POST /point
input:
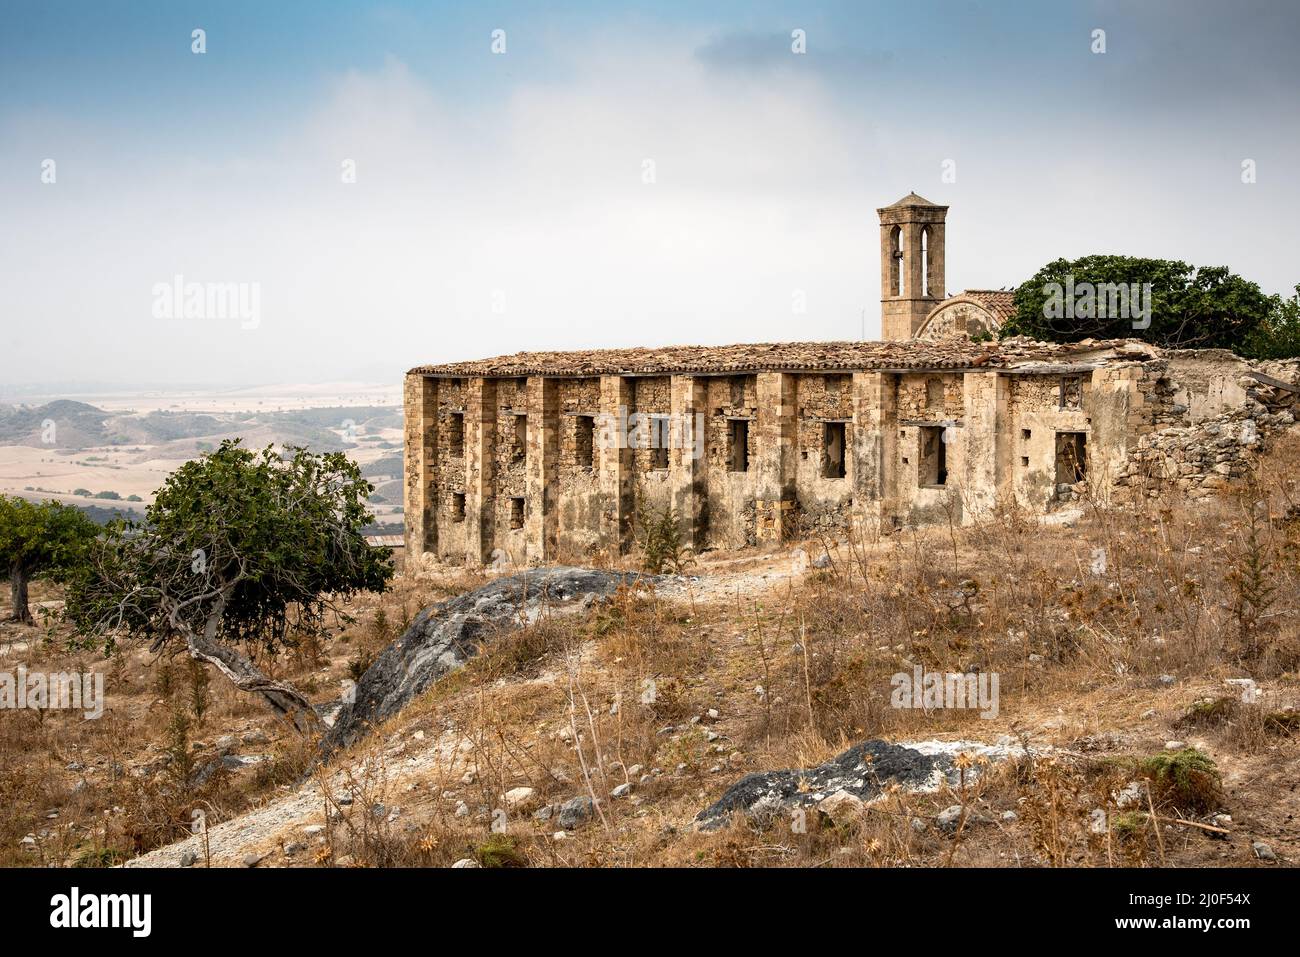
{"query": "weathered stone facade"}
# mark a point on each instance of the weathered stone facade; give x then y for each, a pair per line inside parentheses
(537, 457)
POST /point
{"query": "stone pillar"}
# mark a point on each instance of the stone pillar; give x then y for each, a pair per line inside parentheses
(774, 497)
(687, 461)
(875, 444)
(480, 441)
(420, 402)
(614, 464)
(542, 519)
(985, 445)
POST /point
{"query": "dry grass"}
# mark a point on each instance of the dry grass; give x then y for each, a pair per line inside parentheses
(1110, 638)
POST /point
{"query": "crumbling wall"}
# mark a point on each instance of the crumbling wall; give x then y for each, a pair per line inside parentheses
(449, 471)
(509, 476)
(650, 402)
(930, 422)
(729, 512)
(824, 493)
(578, 525)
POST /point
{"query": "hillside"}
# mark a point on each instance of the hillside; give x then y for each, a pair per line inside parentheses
(596, 735)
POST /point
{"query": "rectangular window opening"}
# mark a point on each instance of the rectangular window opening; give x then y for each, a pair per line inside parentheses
(659, 442)
(458, 506)
(934, 456)
(516, 513)
(738, 453)
(833, 454)
(1071, 457)
(584, 448)
(519, 444)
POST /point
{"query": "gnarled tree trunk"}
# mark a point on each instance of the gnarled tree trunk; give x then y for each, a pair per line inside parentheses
(283, 698)
(18, 592)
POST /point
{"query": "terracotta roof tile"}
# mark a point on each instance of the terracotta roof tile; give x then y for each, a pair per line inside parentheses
(777, 356)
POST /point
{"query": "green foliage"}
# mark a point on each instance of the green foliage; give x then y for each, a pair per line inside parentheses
(658, 532)
(199, 697)
(1191, 307)
(41, 538)
(250, 545)
(1188, 779)
(1278, 336)
(46, 539)
(499, 850)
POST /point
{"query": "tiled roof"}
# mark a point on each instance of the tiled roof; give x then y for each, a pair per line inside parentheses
(1000, 302)
(791, 356)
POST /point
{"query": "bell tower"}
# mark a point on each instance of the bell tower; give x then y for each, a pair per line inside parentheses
(911, 264)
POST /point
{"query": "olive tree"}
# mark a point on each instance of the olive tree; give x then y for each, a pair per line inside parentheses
(38, 539)
(239, 551)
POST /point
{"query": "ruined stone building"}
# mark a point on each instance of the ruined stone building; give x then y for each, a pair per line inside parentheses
(544, 456)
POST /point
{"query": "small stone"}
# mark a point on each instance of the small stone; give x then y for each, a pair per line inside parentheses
(466, 862)
(311, 830)
(919, 826)
(841, 807)
(1131, 794)
(294, 847)
(518, 797)
(1097, 820)
(544, 812)
(948, 818)
(1010, 817)
(1175, 745)
(189, 857)
(575, 811)
(711, 736)
(344, 800)
(1167, 679)
(226, 743)
(256, 736)
(623, 790)
(252, 860)
(1263, 851)
(713, 713)
(560, 836)
(462, 809)
(634, 770)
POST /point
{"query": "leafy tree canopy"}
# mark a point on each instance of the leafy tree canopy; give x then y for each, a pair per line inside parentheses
(39, 539)
(238, 547)
(1163, 301)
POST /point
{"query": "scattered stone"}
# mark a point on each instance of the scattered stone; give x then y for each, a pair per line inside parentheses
(226, 743)
(311, 830)
(1263, 851)
(1133, 793)
(841, 807)
(189, 857)
(634, 770)
(1010, 817)
(623, 790)
(1097, 820)
(294, 847)
(256, 736)
(1175, 745)
(575, 812)
(544, 812)
(519, 797)
(252, 860)
(462, 809)
(559, 836)
(466, 862)
(948, 819)
(919, 826)
(1167, 679)
(822, 561)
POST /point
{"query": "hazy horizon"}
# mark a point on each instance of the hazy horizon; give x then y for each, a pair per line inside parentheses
(501, 200)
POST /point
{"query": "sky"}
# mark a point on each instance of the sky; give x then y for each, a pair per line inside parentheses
(391, 184)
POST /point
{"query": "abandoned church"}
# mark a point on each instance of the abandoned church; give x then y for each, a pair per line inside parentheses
(546, 456)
